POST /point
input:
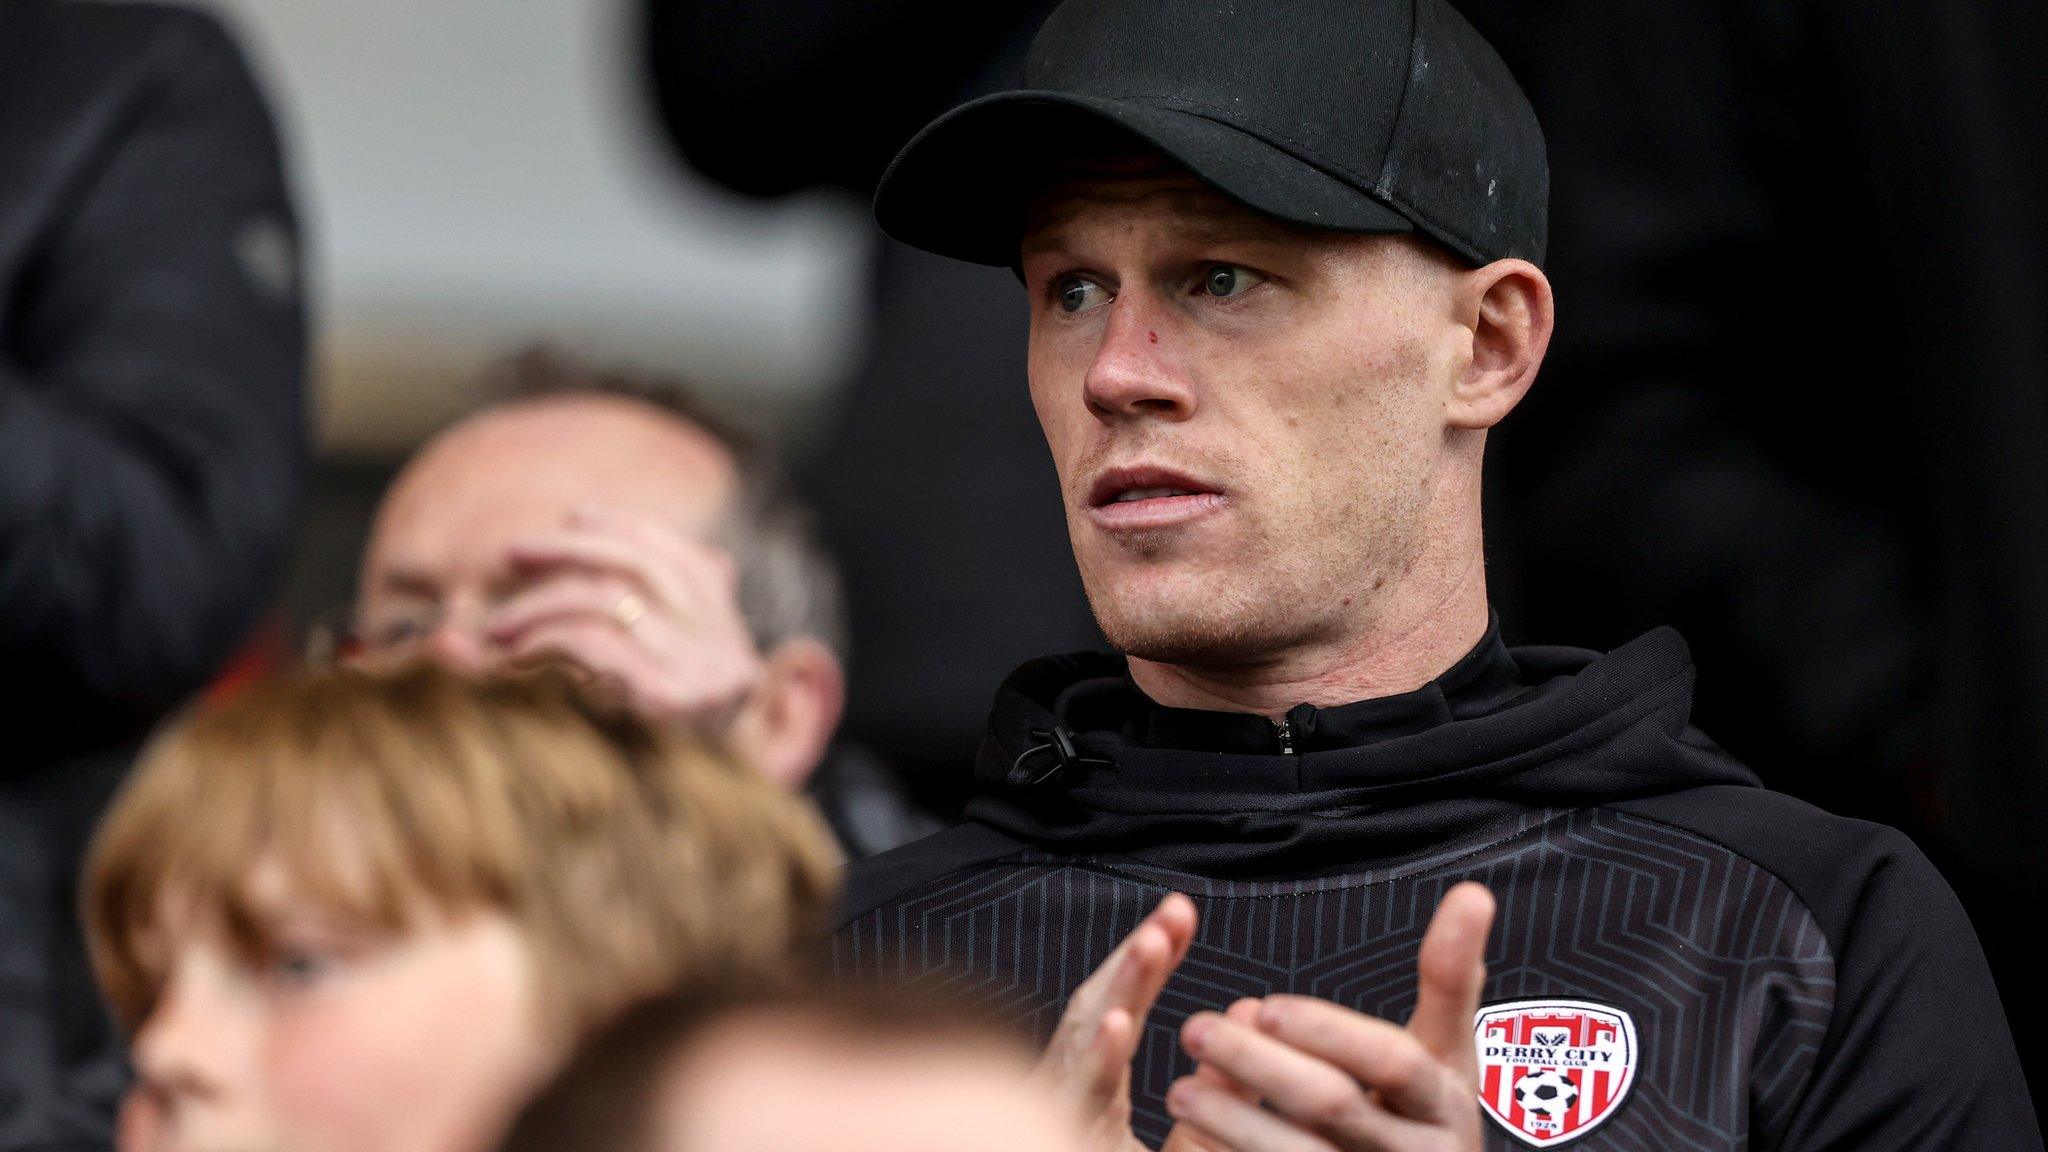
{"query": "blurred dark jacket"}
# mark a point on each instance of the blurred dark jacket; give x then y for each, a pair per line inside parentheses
(864, 803)
(1798, 399)
(933, 487)
(152, 344)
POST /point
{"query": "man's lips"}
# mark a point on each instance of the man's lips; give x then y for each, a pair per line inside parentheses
(1145, 497)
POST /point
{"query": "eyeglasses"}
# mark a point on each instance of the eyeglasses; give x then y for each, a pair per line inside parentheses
(341, 635)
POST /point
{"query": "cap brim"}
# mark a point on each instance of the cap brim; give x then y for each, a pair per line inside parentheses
(960, 187)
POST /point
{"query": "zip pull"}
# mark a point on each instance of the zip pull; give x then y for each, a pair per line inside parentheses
(1284, 728)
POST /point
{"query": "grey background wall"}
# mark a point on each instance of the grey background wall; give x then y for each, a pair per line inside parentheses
(477, 174)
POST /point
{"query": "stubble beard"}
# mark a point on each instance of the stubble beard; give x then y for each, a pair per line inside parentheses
(1164, 635)
(1265, 599)
(1231, 616)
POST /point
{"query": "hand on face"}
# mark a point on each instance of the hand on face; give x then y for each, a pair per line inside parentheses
(1334, 1080)
(645, 610)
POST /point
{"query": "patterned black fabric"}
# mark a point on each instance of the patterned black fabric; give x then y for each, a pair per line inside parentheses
(1726, 973)
(1792, 980)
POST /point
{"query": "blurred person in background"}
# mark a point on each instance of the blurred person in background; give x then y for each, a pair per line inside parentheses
(347, 911)
(1799, 407)
(1284, 280)
(152, 345)
(738, 1069)
(926, 479)
(606, 520)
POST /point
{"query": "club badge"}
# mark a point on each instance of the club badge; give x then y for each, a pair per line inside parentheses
(1551, 1071)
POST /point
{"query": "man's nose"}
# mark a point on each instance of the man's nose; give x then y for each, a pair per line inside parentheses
(1138, 367)
(459, 644)
(459, 639)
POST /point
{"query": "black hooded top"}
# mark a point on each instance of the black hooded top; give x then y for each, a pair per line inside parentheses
(1681, 959)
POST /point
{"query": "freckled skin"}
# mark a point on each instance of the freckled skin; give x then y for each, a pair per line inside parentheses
(1313, 399)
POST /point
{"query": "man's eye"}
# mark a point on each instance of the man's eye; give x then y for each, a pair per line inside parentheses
(1227, 280)
(1078, 295)
(397, 632)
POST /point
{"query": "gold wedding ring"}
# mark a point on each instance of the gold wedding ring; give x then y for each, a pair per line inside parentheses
(629, 610)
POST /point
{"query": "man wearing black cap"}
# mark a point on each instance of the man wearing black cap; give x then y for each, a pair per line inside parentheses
(1283, 269)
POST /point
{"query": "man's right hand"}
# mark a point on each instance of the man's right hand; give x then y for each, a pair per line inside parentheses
(1088, 1062)
(645, 610)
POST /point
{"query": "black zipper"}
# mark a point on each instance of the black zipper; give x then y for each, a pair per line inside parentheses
(1285, 729)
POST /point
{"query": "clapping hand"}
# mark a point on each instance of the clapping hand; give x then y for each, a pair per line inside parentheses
(1285, 1073)
(1335, 1080)
(1088, 1062)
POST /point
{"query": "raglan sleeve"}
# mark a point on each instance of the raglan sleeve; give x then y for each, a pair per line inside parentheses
(1917, 1054)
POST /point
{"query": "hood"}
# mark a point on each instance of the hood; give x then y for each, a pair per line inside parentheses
(1077, 760)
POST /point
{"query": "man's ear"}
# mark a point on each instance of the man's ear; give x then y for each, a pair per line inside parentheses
(1508, 309)
(795, 711)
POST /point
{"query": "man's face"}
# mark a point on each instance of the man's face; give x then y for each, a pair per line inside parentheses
(734, 1094)
(1246, 416)
(441, 554)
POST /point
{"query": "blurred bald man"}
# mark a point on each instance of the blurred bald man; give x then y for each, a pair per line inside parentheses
(844, 1069)
(609, 521)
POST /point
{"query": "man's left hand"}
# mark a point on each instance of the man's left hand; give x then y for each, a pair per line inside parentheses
(1335, 1080)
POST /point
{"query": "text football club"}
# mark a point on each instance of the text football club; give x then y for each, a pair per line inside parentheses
(1551, 1071)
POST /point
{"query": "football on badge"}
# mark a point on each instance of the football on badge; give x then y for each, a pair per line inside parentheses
(1550, 1071)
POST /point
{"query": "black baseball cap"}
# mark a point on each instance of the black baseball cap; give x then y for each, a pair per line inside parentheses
(1387, 116)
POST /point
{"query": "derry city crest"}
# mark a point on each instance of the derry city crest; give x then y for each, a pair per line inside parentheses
(1551, 1071)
